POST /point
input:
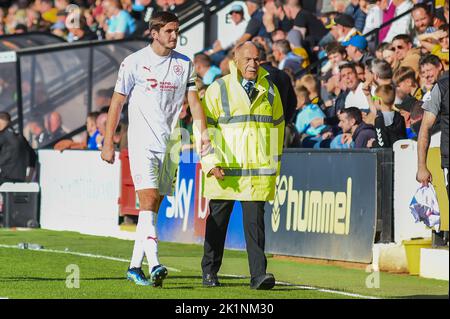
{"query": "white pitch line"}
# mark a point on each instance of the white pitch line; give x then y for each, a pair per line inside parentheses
(81, 254)
(337, 292)
(348, 294)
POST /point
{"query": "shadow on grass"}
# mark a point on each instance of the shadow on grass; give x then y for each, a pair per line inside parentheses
(200, 277)
(10, 279)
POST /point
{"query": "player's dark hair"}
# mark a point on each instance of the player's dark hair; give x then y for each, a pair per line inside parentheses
(160, 19)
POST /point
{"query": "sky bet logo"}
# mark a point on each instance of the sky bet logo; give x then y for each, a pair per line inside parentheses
(311, 211)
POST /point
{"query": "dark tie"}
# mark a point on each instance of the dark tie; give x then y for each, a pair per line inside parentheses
(249, 88)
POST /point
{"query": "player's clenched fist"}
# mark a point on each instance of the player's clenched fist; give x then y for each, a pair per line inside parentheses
(108, 154)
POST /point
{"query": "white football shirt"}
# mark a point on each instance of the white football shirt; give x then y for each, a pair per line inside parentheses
(156, 86)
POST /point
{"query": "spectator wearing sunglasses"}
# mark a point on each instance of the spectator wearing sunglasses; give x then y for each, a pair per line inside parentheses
(405, 53)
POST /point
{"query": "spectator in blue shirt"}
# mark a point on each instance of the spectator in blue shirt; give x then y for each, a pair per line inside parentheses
(120, 23)
(93, 132)
(204, 69)
(308, 112)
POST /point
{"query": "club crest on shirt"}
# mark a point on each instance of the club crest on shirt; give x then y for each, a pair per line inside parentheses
(178, 69)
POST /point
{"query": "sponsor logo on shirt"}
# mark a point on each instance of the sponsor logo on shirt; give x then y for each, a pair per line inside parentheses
(168, 86)
(153, 83)
(164, 86)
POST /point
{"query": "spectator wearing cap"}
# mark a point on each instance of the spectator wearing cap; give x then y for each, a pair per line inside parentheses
(204, 69)
(405, 81)
(344, 26)
(405, 24)
(237, 29)
(255, 26)
(356, 49)
(120, 24)
(354, 9)
(405, 53)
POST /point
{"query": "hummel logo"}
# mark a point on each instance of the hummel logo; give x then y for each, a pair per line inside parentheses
(379, 137)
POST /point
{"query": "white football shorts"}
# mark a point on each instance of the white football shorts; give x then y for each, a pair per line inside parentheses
(151, 169)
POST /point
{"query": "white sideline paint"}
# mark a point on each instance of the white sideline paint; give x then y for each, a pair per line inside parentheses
(82, 255)
(337, 292)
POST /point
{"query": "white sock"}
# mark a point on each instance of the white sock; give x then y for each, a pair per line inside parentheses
(146, 240)
(150, 241)
(138, 250)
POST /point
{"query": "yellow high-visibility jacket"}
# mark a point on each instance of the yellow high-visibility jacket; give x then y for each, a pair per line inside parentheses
(247, 138)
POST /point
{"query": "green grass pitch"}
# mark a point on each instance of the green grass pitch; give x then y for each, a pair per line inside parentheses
(41, 274)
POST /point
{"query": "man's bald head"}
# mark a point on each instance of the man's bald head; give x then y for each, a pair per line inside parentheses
(246, 57)
(54, 122)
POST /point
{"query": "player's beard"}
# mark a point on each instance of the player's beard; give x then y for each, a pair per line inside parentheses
(171, 45)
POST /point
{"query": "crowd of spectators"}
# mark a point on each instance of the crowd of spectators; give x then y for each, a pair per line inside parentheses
(368, 83)
(365, 90)
(76, 20)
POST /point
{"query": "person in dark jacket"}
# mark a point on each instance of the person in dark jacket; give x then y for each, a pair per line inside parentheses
(352, 124)
(389, 125)
(16, 155)
(288, 98)
(283, 82)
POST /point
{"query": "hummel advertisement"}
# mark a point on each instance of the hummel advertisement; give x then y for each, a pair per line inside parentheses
(324, 208)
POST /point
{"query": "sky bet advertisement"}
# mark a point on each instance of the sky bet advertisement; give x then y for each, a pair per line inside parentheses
(324, 207)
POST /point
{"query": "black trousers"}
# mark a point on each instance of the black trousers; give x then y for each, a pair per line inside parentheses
(216, 230)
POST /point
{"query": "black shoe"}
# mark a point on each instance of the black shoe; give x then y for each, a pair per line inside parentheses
(263, 282)
(210, 280)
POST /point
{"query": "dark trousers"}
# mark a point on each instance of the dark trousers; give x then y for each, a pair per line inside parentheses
(216, 230)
